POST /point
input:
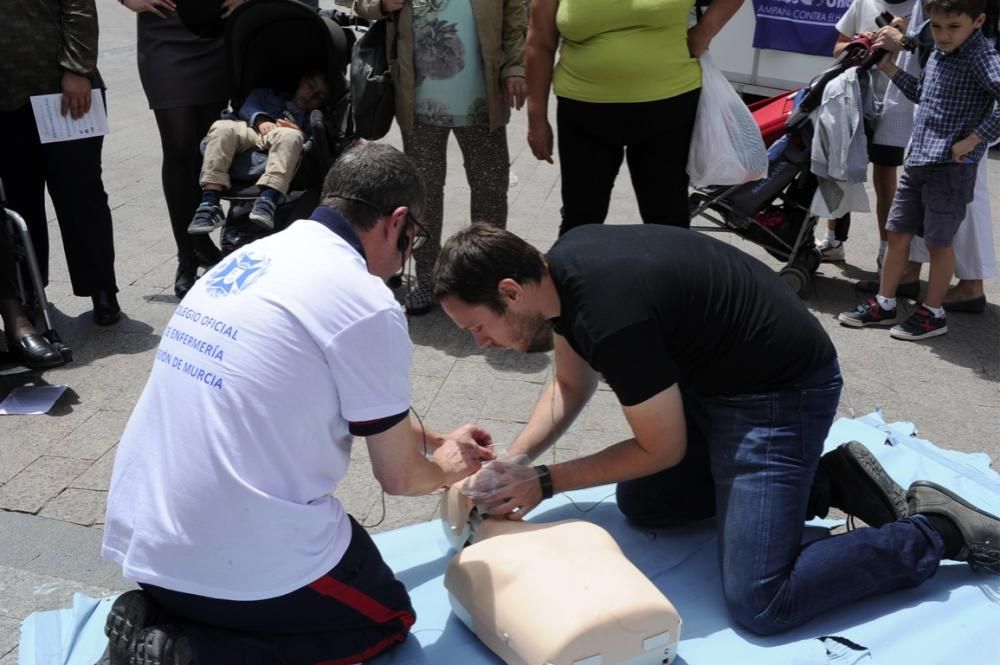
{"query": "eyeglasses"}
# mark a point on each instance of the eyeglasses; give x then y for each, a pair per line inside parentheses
(419, 235)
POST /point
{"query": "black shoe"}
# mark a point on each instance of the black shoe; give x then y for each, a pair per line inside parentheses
(980, 530)
(187, 273)
(131, 612)
(35, 351)
(975, 305)
(859, 485)
(106, 309)
(161, 645)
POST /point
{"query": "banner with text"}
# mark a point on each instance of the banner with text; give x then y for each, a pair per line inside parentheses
(802, 26)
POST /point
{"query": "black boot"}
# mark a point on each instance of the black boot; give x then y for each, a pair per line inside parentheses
(187, 273)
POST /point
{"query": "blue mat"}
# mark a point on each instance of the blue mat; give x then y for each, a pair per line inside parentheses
(953, 618)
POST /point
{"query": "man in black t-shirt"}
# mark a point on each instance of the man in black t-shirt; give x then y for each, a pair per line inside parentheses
(729, 386)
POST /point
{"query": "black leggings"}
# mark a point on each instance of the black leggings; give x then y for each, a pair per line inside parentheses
(653, 137)
(181, 132)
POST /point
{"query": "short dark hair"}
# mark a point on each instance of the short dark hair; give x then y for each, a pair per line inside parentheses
(475, 259)
(375, 173)
(971, 8)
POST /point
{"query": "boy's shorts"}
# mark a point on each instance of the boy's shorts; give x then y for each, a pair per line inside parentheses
(931, 200)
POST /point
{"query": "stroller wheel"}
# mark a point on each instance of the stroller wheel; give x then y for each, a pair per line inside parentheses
(797, 278)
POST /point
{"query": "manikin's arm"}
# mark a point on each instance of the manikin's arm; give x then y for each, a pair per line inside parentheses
(400, 466)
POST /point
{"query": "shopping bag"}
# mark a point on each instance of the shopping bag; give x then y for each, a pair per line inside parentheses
(726, 145)
(373, 93)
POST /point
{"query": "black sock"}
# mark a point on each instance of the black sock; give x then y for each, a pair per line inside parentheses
(269, 193)
(952, 537)
(212, 197)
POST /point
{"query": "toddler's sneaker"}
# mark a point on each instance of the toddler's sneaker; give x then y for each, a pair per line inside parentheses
(869, 314)
(207, 218)
(921, 325)
(830, 252)
(263, 212)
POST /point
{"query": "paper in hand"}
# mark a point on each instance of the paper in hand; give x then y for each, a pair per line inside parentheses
(54, 127)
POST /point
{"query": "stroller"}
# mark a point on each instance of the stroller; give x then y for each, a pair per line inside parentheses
(30, 286)
(270, 44)
(774, 212)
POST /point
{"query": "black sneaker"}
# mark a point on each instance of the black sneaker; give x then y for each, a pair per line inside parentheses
(980, 530)
(860, 486)
(263, 212)
(869, 314)
(921, 325)
(161, 645)
(207, 218)
(131, 612)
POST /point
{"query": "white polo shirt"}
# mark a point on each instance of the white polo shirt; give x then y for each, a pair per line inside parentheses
(223, 479)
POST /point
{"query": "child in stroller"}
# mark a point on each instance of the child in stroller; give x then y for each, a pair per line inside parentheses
(279, 45)
(271, 121)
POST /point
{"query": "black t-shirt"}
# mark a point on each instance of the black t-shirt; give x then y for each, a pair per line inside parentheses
(649, 306)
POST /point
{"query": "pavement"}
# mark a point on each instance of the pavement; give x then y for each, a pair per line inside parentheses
(55, 468)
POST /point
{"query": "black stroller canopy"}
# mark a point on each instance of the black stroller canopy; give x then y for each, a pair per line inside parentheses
(272, 43)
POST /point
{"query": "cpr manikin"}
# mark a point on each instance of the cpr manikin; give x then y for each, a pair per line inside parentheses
(560, 593)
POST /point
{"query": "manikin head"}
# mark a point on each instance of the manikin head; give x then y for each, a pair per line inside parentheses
(489, 282)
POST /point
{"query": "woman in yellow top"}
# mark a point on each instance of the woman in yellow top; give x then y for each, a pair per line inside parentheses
(627, 83)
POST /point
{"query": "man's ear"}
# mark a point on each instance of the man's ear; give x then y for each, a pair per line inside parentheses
(979, 22)
(509, 289)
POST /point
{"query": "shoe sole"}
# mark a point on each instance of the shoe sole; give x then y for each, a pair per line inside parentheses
(902, 334)
(129, 614)
(864, 464)
(201, 230)
(854, 323)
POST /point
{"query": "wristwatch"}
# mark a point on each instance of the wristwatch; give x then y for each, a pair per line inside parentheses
(545, 480)
(907, 44)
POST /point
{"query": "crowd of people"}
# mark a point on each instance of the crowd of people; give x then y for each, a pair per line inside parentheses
(229, 526)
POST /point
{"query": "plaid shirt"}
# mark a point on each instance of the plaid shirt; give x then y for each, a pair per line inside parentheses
(42, 39)
(956, 95)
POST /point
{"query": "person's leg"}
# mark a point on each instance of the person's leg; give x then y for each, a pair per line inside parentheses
(181, 131)
(590, 154)
(658, 139)
(427, 146)
(674, 496)
(226, 138)
(73, 176)
(284, 151)
(831, 247)
(349, 615)
(905, 219)
(941, 271)
(22, 171)
(765, 450)
(975, 253)
(884, 181)
(487, 168)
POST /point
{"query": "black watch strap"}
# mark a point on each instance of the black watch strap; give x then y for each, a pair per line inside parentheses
(545, 480)
(907, 43)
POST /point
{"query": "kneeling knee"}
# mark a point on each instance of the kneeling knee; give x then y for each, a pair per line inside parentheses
(756, 617)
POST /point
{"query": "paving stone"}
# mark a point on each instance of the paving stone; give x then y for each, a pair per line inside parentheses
(43, 479)
(25, 592)
(98, 475)
(77, 506)
(95, 437)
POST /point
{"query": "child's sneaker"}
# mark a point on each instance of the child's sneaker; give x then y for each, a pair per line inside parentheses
(921, 325)
(207, 218)
(263, 212)
(830, 252)
(869, 314)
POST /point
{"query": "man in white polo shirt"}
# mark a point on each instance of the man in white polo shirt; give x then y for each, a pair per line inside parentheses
(221, 503)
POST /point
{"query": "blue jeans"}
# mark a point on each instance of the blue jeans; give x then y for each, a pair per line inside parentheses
(756, 457)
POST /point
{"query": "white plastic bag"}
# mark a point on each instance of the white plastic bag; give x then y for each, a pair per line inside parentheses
(726, 145)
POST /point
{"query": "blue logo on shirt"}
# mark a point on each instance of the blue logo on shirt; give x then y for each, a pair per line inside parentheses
(237, 274)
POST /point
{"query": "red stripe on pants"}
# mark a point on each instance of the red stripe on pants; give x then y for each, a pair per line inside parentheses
(360, 601)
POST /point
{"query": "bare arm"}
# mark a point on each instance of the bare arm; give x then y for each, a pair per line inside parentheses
(540, 57)
(401, 468)
(712, 22)
(842, 42)
(560, 403)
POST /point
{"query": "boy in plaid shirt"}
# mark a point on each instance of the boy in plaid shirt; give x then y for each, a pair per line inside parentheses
(957, 118)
